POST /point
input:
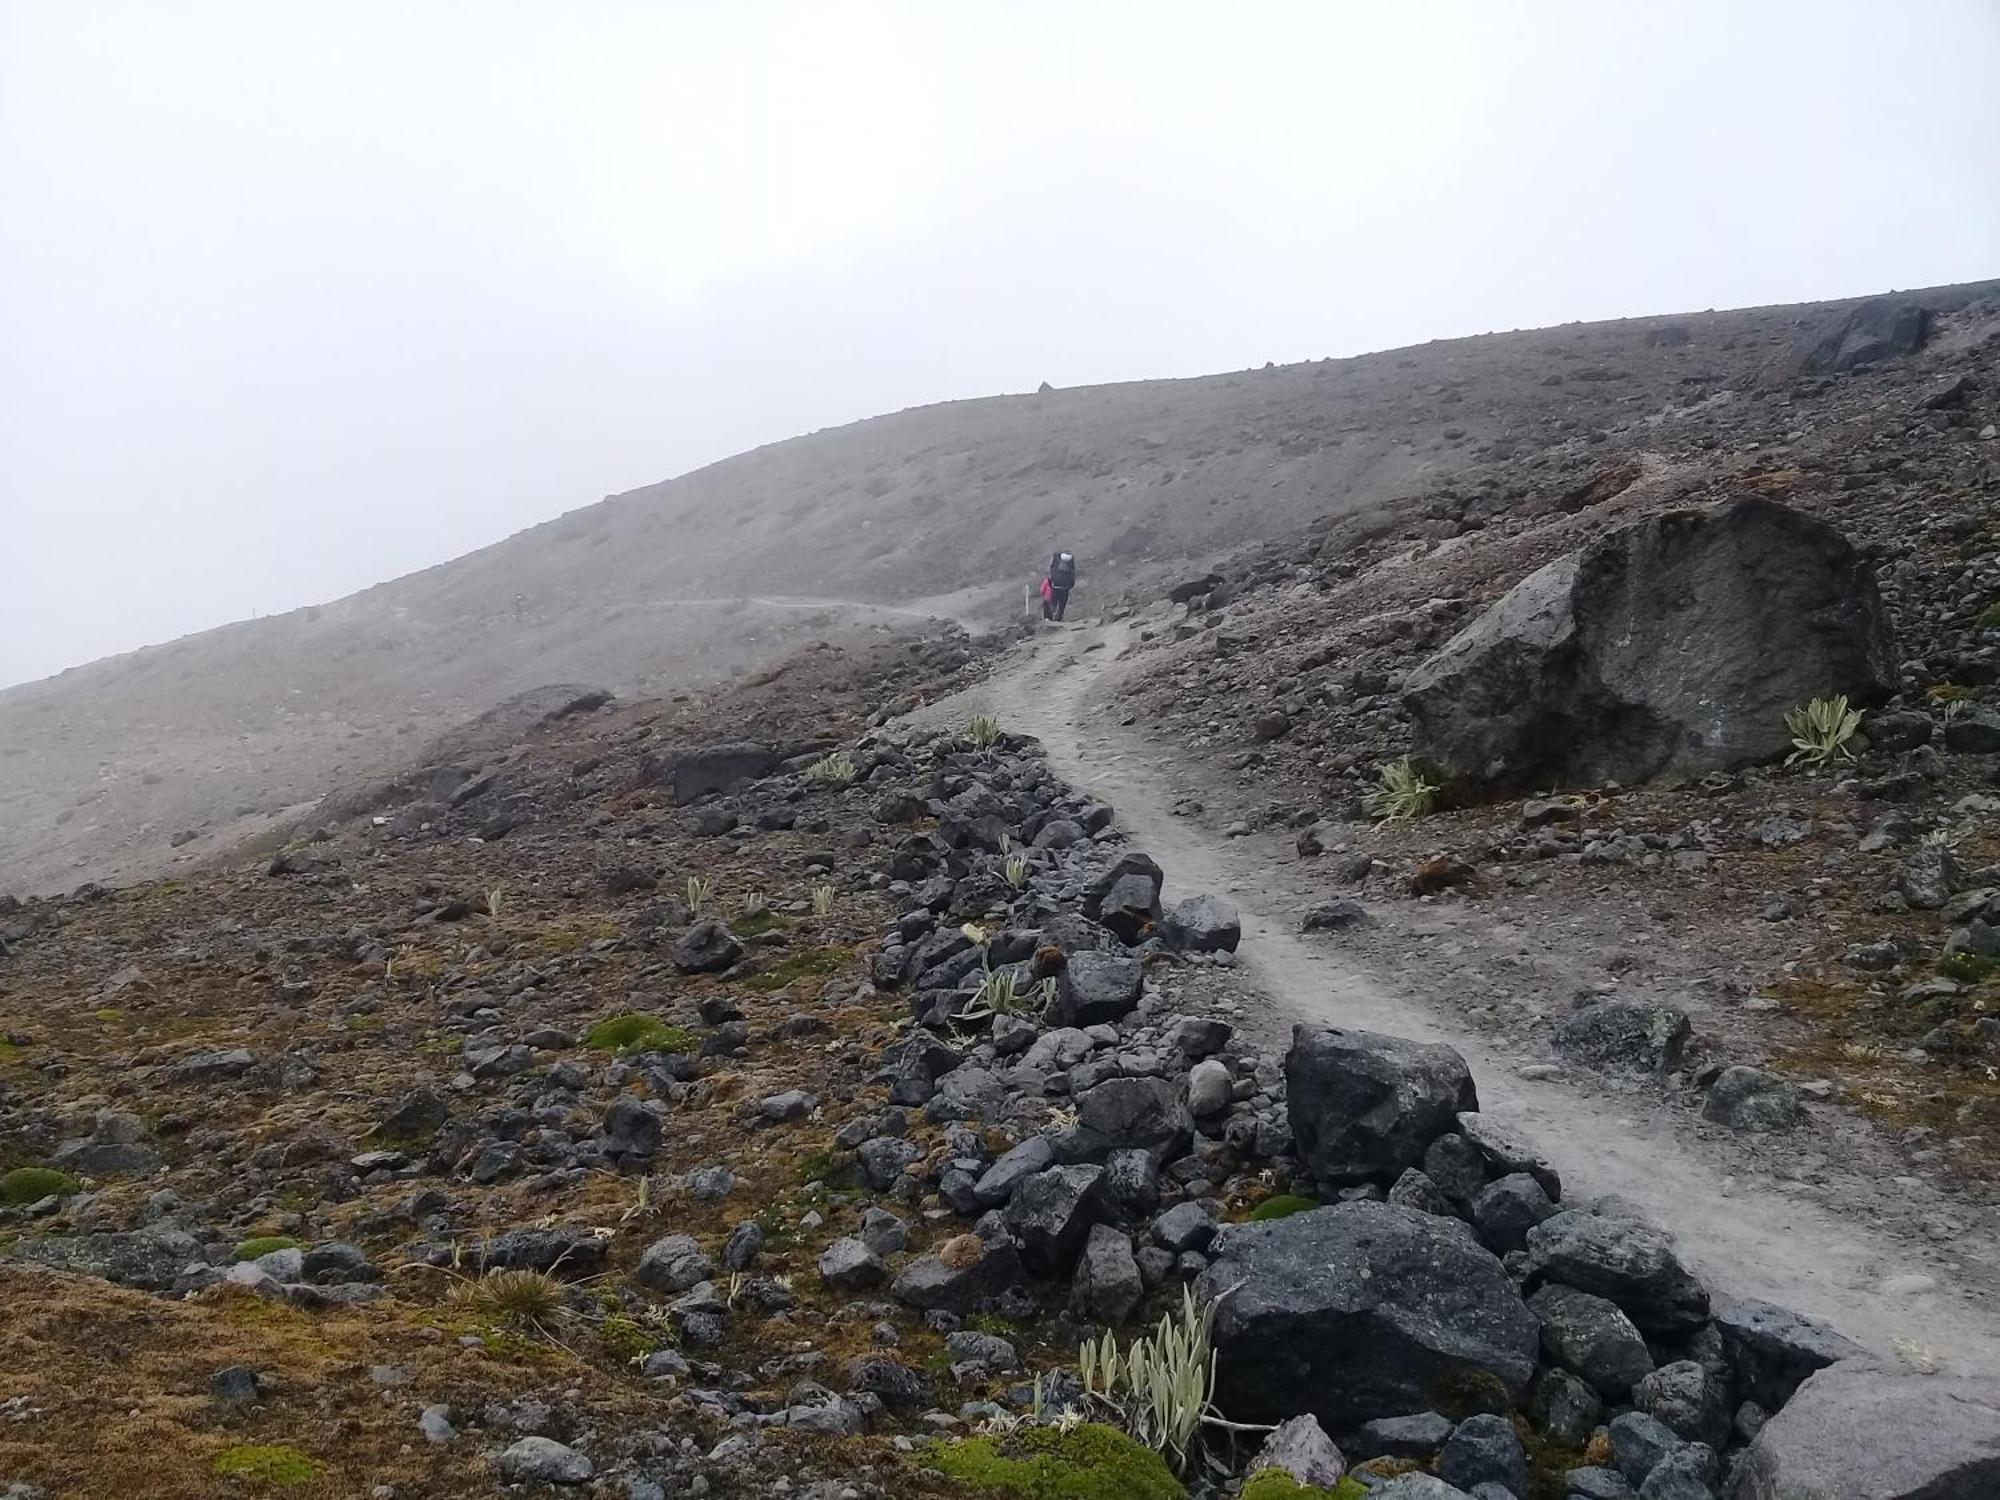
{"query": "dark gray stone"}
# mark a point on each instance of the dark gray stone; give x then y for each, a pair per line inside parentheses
(706, 948)
(1364, 1105)
(1141, 1114)
(1484, 1449)
(1107, 1287)
(1100, 987)
(1508, 1152)
(998, 1182)
(1364, 1310)
(1590, 1337)
(1416, 1436)
(1415, 1190)
(1126, 897)
(1052, 1212)
(1598, 1484)
(1506, 1210)
(1751, 1099)
(1564, 1407)
(1687, 1398)
(1626, 1260)
(963, 1276)
(1185, 1226)
(850, 1266)
(544, 1460)
(1638, 1442)
(572, 1252)
(1774, 1348)
(1684, 1474)
(1636, 1035)
(1203, 924)
(673, 1264)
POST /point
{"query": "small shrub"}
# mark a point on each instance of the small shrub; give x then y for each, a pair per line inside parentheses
(1091, 1461)
(265, 1244)
(1968, 968)
(822, 899)
(636, 1032)
(1162, 1385)
(1016, 871)
(530, 1297)
(816, 1166)
(1281, 1206)
(1401, 794)
(983, 732)
(33, 1184)
(270, 1463)
(837, 769)
(697, 893)
(1823, 731)
(1989, 617)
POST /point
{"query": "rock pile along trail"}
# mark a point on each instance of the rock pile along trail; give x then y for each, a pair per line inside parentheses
(1886, 1289)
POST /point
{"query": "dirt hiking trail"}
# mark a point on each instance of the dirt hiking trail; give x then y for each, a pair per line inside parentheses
(1891, 1291)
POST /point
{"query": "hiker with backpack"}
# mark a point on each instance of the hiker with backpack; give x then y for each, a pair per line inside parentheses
(1061, 578)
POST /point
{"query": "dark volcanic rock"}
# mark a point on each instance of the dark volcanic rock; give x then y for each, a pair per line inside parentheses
(716, 768)
(1634, 1034)
(1628, 1261)
(1126, 897)
(1364, 1310)
(706, 948)
(1880, 328)
(1774, 1348)
(1364, 1105)
(1580, 675)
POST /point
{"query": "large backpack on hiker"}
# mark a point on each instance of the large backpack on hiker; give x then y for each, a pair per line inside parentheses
(1062, 570)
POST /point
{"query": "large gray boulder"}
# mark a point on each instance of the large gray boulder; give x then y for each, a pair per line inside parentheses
(1364, 1105)
(1859, 1430)
(1880, 328)
(1675, 644)
(1364, 1310)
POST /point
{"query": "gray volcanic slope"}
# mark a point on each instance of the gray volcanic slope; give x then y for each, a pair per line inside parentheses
(215, 734)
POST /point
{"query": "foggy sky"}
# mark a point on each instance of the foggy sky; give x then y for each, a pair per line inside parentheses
(295, 298)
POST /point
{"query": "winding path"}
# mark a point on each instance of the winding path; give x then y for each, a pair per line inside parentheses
(1758, 1242)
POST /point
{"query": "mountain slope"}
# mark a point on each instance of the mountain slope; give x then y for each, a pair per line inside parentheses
(214, 735)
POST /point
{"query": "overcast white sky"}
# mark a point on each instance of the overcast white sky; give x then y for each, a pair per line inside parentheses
(295, 298)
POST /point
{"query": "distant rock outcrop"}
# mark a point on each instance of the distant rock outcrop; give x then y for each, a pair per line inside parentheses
(1678, 643)
(1878, 329)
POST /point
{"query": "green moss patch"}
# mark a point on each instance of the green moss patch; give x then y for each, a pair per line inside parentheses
(813, 963)
(33, 1184)
(1281, 1206)
(756, 924)
(1089, 1462)
(1968, 968)
(636, 1032)
(1276, 1484)
(266, 1244)
(271, 1463)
